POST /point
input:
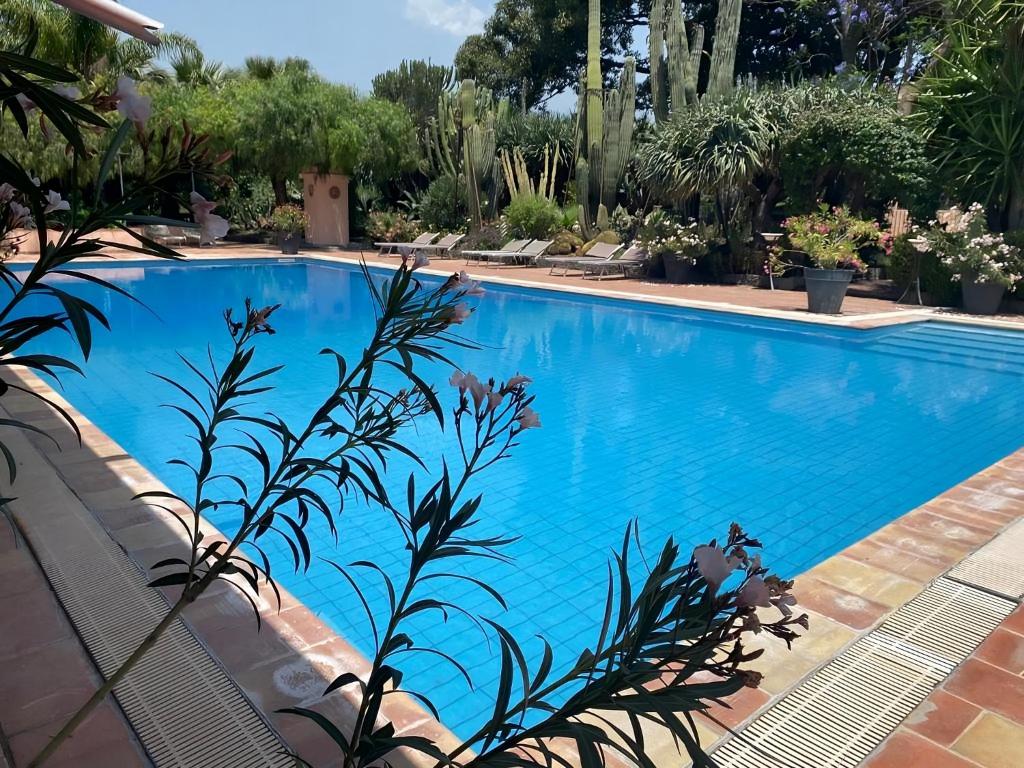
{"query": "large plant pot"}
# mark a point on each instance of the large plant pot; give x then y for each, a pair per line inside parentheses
(677, 270)
(826, 289)
(288, 242)
(981, 298)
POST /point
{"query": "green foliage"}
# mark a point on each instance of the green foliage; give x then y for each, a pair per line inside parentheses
(391, 227)
(832, 238)
(858, 151)
(971, 105)
(417, 85)
(533, 216)
(289, 218)
(248, 201)
(937, 281)
(443, 205)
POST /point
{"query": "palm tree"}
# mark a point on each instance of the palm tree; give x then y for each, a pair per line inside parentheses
(194, 69)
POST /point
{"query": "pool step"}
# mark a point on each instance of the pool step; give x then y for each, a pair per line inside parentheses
(984, 350)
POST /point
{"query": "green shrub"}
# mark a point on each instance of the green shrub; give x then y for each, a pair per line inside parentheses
(532, 216)
(564, 243)
(390, 227)
(289, 218)
(443, 206)
(936, 278)
(487, 238)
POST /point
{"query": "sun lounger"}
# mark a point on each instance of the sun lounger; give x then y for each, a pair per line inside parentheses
(425, 239)
(512, 246)
(166, 235)
(525, 256)
(599, 252)
(631, 259)
(442, 248)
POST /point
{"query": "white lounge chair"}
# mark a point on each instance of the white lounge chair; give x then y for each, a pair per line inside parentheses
(425, 239)
(443, 247)
(512, 246)
(598, 253)
(633, 258)
(524, 257)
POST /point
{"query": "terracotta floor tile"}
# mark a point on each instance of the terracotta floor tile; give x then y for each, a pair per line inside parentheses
(40, 621)
(1015, 621)
(993, 742)
(860, 578)
(742, 705)
(838, 604)
(926, 522)
(942, 717)
(879, 555)
(102, 741)
(1004, 649)
(43, 685)
(990, 688)
(19, 572)
(905, 750)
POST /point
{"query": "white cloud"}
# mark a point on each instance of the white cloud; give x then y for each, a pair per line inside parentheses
(456, 17)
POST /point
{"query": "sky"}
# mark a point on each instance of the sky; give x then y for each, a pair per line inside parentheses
(347, 41)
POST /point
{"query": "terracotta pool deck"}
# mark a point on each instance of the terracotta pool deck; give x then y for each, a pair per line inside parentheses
(975, 719)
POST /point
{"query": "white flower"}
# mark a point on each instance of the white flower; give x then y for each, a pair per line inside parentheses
(459, 313)
(68, 92)
(528, 419)
(420, 260)
(54, 202)
(755, 593)
(6, 193)
(211, 226)
(132, 105)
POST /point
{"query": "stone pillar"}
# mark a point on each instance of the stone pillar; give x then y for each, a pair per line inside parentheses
(325, 197)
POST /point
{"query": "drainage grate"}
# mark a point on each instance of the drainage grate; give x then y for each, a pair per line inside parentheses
(184, 707)
(840, 714)
(996, 567)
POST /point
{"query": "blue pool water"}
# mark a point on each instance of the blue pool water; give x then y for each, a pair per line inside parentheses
(810, 437)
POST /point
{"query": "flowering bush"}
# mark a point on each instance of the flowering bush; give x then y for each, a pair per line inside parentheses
(661, 234)
(962, 241)
(391, 227)
(532, 216)
(289, 218)
(832, 239)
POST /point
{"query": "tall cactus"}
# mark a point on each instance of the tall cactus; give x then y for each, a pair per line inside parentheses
(462, 141)
(604, 131)
(723, 58)
(677, 58)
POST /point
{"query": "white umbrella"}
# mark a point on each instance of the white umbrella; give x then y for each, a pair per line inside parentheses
(117, 16)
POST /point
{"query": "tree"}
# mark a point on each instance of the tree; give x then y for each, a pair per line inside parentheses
(417, 85)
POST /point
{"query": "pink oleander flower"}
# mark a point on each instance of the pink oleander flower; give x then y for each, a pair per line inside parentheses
(459, 313)
(494, 400)
(131, 104)
(469, 286)
(420, 260)
(755, 593)
(713, 565)
(518, 380)
(6, 193)
(211, 226)
(528, 419)
(19, 216)
(54, 202)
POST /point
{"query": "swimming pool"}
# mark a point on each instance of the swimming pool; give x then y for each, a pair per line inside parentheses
(809, 436)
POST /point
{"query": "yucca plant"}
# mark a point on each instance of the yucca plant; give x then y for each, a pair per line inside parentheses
(971, 106)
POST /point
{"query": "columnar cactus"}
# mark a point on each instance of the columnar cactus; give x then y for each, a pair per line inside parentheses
(604, 131)
(676, 58)
(462, 141)
(723, 58)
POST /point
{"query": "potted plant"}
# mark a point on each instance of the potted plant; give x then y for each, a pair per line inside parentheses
(984, 263)
(673, 246)
(289, 221)
(832, 240)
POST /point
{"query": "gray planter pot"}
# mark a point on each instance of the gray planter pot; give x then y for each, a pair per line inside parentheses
(289, 242)
(981, 298)
(677, 270)
(826, 289)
